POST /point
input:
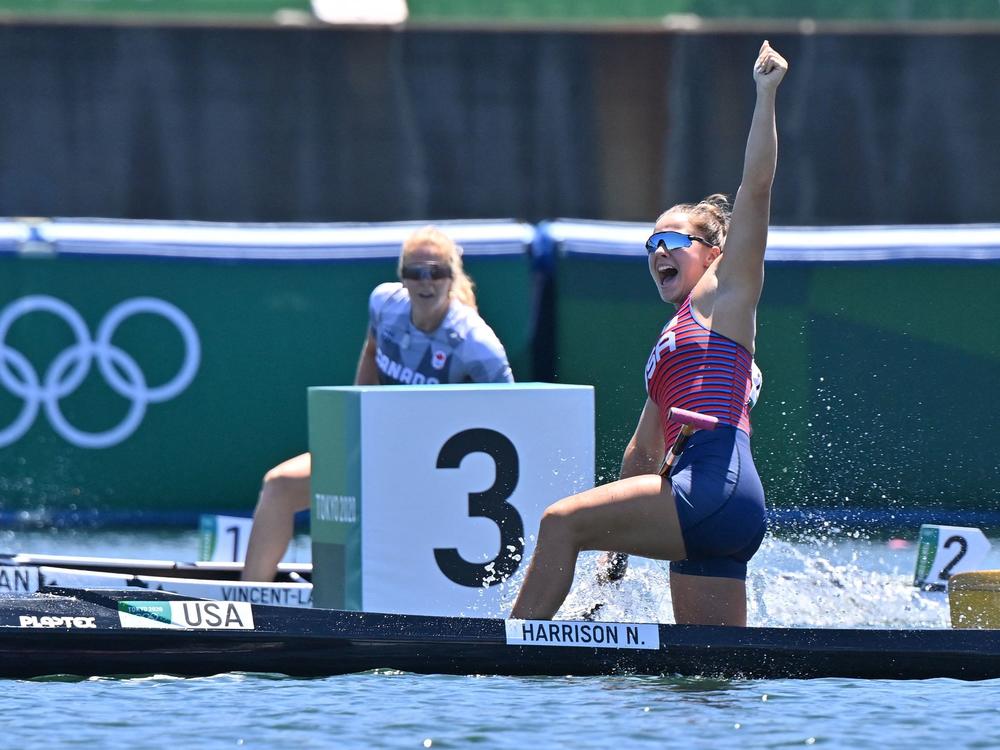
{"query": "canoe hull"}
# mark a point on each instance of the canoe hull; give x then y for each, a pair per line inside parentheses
(85, 635)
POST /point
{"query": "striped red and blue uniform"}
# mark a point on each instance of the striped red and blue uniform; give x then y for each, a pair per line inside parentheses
(719, 497)
(694, 368)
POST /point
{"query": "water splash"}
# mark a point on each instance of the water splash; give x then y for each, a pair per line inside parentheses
(790, 586)
(823, 582)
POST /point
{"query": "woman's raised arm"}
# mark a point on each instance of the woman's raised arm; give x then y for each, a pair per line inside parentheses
(741, 270)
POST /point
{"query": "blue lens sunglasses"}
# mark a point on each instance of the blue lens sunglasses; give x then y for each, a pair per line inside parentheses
(672, 240)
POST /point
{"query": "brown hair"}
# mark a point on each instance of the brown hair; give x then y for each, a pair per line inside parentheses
(710, 215)
(462, 287)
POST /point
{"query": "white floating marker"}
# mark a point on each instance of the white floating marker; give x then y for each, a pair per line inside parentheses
(943, 551)
(223, 538)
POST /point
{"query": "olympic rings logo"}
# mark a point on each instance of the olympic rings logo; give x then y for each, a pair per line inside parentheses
(71, 366)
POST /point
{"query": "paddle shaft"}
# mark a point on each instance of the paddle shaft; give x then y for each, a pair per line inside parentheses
(676, 450)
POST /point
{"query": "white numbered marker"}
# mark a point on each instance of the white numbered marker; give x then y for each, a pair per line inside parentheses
(224, 538)
(427, 500)
(946, 550)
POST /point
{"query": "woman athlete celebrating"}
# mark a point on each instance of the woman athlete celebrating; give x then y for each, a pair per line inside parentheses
(708, 517)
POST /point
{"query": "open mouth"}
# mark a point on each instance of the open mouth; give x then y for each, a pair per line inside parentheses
(667, 273)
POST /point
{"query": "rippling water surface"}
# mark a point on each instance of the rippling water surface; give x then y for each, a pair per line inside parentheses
(835, 579)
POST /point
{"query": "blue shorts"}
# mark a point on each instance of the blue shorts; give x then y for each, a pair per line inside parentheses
(720, 502)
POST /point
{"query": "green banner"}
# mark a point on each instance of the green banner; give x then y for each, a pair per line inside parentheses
(165, 377)
(878, 380)
(654, 10)
(153, 374)
(596, 11)
(180, 10)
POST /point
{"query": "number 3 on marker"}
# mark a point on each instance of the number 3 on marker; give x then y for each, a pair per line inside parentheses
(491, 503)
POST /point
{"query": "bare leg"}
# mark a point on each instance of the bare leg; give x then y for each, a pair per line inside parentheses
(635, 515)
(285, 492)
(707, 600)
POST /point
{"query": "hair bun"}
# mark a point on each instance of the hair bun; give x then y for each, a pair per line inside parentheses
(710, 216)
(720, 202)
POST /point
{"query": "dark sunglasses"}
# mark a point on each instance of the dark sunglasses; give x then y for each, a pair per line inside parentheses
(672, 241)
(425, 272)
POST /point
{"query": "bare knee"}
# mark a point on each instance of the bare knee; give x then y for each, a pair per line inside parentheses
(559, 524)
(287, 493)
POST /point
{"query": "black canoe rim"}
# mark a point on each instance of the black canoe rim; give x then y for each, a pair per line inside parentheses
(317, 642)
